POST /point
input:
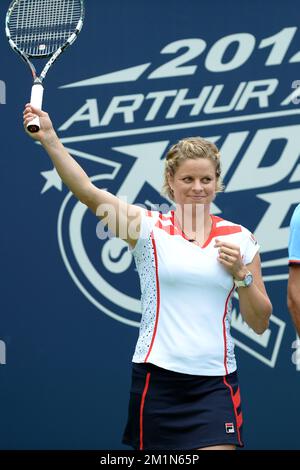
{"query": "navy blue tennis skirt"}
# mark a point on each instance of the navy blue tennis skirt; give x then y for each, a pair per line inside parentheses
(171, 410)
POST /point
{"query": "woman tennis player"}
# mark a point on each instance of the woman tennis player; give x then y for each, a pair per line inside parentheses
(184, 392)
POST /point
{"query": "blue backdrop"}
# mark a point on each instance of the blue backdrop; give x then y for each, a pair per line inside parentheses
(142, 75)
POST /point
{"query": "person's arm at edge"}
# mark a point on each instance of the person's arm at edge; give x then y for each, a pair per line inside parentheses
(293, 297)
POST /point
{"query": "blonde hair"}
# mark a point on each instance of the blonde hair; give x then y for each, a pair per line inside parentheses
(190, 147)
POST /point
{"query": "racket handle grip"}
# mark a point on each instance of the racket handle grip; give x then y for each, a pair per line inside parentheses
(36, 100)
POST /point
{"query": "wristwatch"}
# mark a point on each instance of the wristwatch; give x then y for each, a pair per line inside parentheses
(246, 282)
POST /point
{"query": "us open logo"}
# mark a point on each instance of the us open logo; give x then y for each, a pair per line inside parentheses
(122, 143)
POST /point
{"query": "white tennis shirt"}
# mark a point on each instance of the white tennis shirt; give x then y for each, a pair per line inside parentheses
(186, 296)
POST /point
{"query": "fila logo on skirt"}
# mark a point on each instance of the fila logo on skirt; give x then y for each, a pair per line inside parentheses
(229, 427)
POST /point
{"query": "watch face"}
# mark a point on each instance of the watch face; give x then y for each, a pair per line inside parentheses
(248, 279)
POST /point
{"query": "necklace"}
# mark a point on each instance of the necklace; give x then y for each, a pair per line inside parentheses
(193, 240)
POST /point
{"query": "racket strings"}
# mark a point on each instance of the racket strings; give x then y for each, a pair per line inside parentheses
(40, 27)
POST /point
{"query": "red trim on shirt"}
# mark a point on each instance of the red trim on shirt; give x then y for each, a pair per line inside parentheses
(142, 410)
(163, 216)
(227, 230)
(219, 231)
(214, 232)
(168, 228)
(294, 261)
(238, 417)
(217, 218)
(157, 295)
(224, 330)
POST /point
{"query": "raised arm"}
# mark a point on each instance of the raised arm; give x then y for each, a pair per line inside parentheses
(122, 219)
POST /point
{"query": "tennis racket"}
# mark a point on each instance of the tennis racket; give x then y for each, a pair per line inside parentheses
(40, 29)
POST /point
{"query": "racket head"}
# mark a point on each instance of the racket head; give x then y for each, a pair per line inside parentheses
(38, 28)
